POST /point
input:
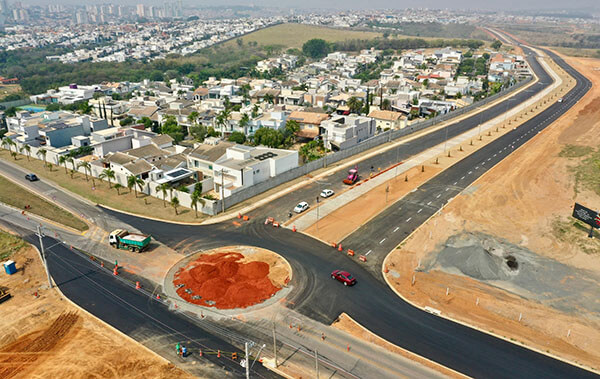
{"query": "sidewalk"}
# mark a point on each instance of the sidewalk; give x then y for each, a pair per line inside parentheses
(309, 218)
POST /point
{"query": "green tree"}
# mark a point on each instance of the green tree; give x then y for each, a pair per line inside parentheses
(172, 128)
(268, 137)
(354, 104)
(199, 132)
(163, 188)
(175, 204)
(108, 174)
(42, 152)
(315, 48)
(183, 189)
(146, 121)
(268, 98)
(244, 121)
(27, 149)
(86, 167)
(196, 199)
(53, 107)
(62, 160)
(126, 121)
(311, 151)
(496, 44)
(192, 117)
(237, 137)
(8, 143)
(84, 107)
(386, 105)
(118, 187)
(135, 182)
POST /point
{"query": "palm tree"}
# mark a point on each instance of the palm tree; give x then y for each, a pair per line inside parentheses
(108, 174)
(86, 166)
(14, 154)
(72, 162)
(43, 153)
(354, 104)
(192, 117)
(183, 188)
(222, 119)
(8, 143)
(118, 187)
(134, 182)
(63, 160)
(385, 104)
(269, 98)
(244, 121)
(27, 149)
(175, 204)
(163, 188)
(197, 199)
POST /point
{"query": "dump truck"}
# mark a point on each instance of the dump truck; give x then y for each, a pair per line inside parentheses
(352, 176)
(122, 239)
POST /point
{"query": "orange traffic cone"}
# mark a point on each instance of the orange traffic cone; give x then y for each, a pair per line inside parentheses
(294, 228)
(340, 247)
(200, 352)
(218, 353)
(115, 272)
(157, 297)
(137, 285)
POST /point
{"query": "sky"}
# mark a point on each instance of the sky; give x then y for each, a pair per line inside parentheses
(362, 4)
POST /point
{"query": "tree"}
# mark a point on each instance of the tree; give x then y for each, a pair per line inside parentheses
(198, 132)
(386, 105)
(27, 149)
(222, 119)
(84, 107)
(237, 137)
(354, 104)
(175, 204)
(71, 161)
(62, 160)
(14, 155)
(192, 117)
(268, 137)
(43, 153)
(86, 167)
(135, 182)
(183, 189)
(244, 121)
(108, 174)
(196, 199)
(172, 128)
(315, 48)
(8, 143)
(118, 187)
(269, 98)
(126, 121)
(147, 122)
(496, 44)
(163, 188)
(289, 133)
(311, 151)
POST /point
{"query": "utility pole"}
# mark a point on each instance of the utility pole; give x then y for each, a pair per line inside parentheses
(223, 190)
(274, 345)
(317, 363)
(247, 361)
(446, 140)
(44, 261)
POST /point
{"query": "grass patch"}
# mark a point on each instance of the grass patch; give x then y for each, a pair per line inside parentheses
(19, 197)
(142, 205)
(579, 53)
(9, 244)
(295, 35)
(575, 151)
(576, 232)
(587, 173)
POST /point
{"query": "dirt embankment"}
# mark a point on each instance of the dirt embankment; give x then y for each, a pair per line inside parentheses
(46, 336)
(525, 204)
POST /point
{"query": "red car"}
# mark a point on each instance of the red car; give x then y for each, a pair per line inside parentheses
(344, 277)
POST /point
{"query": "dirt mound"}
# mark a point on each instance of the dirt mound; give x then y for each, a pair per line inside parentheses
(224, 281)
(26, 350)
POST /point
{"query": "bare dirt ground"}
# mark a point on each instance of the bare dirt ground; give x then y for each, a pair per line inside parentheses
(527, 201)
(231, 277)
(49, 337)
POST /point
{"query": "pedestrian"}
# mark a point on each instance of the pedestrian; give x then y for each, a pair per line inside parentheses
(177, 347)
(290, 214)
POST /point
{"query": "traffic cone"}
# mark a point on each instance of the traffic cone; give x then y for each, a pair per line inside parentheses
(294, 228)
(200, 352)
(137, 285)
(157, 297)
(218, 353)
(101, 264)
(115, 272)
(340, 247)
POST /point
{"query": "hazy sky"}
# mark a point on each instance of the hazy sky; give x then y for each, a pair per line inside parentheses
(361, 4)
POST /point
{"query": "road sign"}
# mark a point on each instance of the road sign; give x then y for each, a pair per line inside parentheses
(590, 217)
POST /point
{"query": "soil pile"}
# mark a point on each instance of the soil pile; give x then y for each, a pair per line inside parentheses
(222, 281)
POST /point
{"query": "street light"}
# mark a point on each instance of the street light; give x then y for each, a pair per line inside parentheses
(41, 235)
(319, 200)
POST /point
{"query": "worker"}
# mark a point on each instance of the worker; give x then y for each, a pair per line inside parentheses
(290, 214)
(183, 351)
(178, 348)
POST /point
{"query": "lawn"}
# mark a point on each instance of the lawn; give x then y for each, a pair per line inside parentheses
(295, 35)
(19, 197)
(9, 244)
(143, 204)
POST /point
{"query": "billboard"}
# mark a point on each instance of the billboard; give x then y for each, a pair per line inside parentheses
(590, 217)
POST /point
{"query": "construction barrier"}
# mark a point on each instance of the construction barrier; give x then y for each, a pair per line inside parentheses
(276, 224)
(115, 272)
(294, 228)
(200, 352)
(350, 252)
(218, 353)
(362, 258)
(246, 218)
(334, 245)
(234, 356)
(269, 220)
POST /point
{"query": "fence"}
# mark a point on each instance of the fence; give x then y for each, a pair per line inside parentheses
(15, 103)
(370, 143)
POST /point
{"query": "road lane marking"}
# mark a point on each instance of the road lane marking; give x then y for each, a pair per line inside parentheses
(429, 203)
(408, 219)
(368, 252)
(380, 242)
(438, 196)
(462, 178)
(419, 211)
(455, 183)
(395, 230)
(447, 189)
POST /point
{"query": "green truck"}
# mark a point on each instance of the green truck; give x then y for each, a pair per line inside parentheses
(122, 239)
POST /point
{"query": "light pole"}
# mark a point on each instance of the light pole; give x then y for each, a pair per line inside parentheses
(319, 201)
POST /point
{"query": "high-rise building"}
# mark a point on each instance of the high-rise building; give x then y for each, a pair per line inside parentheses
(4, 7)
(140, 10)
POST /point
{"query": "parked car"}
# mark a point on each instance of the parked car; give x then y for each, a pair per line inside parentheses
(301, 207)
(344, 277)
(326, 193)
(560, 100)
(31, 177)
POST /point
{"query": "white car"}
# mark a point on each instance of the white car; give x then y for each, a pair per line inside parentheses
(301, 207)
(326, 193)
(560, 100)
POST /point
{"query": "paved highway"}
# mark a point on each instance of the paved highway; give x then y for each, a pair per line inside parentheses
(370, 302)
(279, 208)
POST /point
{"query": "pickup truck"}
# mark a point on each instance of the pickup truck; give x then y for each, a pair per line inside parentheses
(122, 239)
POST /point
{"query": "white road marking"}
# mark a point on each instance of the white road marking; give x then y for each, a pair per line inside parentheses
(447, 189)
(380, 242)
(429, 203)
(462, 178)
(408, 219)
(438, 196)
(419, 211)
(368, 252)
(395, 230)
(455, 183)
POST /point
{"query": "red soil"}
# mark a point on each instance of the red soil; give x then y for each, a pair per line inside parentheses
(222, 279)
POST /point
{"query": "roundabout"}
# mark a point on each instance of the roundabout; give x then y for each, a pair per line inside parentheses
(230, 277)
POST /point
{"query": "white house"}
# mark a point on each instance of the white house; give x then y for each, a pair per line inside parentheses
(343, 132)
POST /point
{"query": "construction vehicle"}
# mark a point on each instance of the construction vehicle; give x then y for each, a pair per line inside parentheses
(4, 295)
(352, 176)
(122, 239)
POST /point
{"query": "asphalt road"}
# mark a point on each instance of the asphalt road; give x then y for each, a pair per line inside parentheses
(280, 207)
(135, 312)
